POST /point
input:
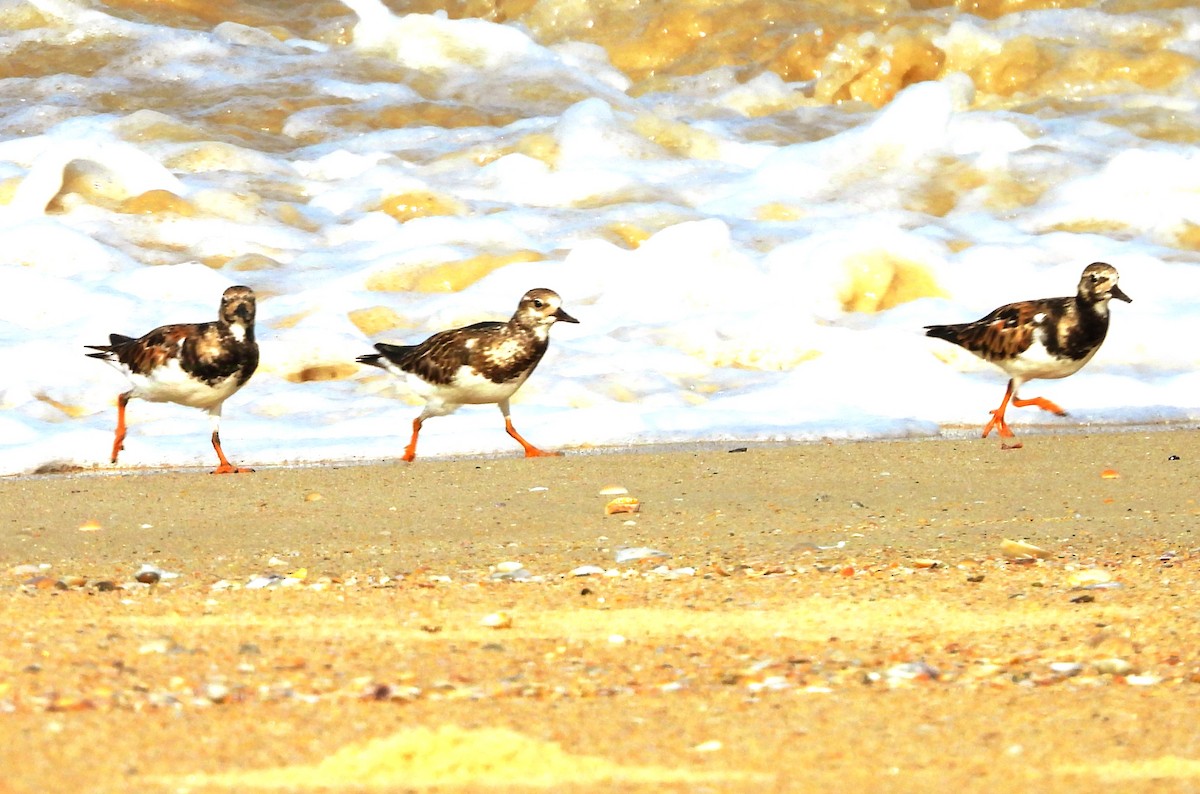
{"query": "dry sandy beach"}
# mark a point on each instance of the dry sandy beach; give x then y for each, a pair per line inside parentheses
(824, 617)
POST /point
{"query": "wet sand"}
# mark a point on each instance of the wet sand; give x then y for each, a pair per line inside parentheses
(827, 617)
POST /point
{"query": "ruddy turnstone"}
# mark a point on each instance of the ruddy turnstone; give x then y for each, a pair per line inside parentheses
(200, 365)
(481, 363)
(1048, 338)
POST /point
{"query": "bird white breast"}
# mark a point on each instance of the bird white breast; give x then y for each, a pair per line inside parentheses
(1036, 362)
(169, 383)
(467, 388)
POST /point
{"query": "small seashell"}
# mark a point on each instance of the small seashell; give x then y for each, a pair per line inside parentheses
(1109, 474)
(1113, 667)
(313, 497)
(90, 526)
(216, 692)
(509, 566)
(712, 745)
(1144, 679)
(623, 504)
(518, 574)
(587, 570)
(926, 562)
(638, 553)
(497, 620)
(1089, 577)
(614, 490)
(1020, 550)
(616, 639)
(1067, 668)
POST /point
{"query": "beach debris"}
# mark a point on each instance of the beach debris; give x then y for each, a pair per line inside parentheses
(1109, 474)
(617, 639)
(1019, 550)
(90, 526)
(668, 572)
(538, 489)
(634, 553)
(623, 504)
(614, 490)
(510, 571)
(28, 569)
(909, 672)
(1088, 578)
(927, 562)
(711, 746)
(152, 574)
(497, 620)
(1143, 679)
(1066, 669)
(313, 496)
(216, 692)
(587, 570)
(1113, 666)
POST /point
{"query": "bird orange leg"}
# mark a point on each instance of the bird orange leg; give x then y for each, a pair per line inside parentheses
(226, 467)
(1040, 402)
(530, 450)
(410, 451)
(119, 441)
(997, 421)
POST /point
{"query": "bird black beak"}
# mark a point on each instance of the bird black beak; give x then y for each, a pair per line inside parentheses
(562, 316)
(1121, 296)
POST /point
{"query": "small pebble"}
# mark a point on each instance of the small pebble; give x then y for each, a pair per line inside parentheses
(497, 620)
(1114, 667)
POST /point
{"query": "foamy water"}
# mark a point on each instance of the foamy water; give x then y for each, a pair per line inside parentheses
(751, 253)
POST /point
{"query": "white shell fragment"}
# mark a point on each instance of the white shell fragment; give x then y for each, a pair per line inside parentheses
(639, 553)
(1020, 550)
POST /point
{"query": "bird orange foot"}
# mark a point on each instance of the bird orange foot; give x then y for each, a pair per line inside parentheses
(530, 450)
(229, 468)
(997, 421)
(225, 466)
(1040, 402)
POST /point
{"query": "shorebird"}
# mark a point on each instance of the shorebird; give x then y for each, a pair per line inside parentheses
(477, 364)
(1047, 338)
(199, 365)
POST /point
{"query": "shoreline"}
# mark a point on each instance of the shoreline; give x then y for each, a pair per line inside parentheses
(951, 432)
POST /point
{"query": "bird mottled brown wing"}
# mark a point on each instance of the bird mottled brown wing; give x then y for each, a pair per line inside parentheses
(141, 356)
(1005, 333)
(497, 351)
(208, 351)
(438, 358)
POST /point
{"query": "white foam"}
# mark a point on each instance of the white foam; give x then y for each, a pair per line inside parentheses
(722, 325)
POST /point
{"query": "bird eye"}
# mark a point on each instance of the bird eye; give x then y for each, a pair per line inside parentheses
(538, 303)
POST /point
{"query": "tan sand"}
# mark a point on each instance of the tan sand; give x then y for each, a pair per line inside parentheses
(828, 617)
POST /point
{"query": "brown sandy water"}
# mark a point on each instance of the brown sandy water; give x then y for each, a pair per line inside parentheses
(826, 617)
